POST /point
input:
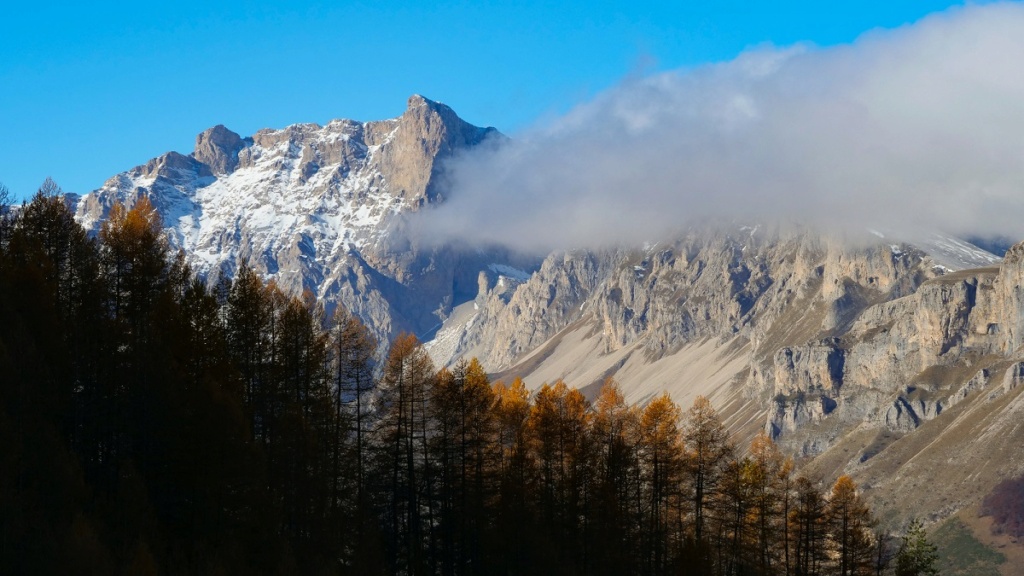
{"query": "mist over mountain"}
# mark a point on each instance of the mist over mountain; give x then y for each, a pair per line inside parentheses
(908, 130)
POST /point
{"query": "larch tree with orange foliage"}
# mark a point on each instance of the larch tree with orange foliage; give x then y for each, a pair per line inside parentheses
(404, 462)
(514, 513)
(849, 520)
(662, 467)
(707, 452)
(616, 431)
(463, 448)
(770, 483)
(559, 427)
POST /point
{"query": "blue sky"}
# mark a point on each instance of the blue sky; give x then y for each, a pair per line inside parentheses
(90, 89)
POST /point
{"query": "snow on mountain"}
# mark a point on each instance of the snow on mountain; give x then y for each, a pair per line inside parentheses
(318, 186)
(956, 254)
(312, 207)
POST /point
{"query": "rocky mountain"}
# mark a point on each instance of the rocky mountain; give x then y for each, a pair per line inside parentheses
(316, 208)
(892, 361)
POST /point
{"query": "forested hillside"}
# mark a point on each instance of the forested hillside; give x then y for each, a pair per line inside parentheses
(152, 425)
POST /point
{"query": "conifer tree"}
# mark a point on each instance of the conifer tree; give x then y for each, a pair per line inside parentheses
(134, 257)
(514, 515)
(6, 219)
(850, 526)
(770, 483)
(559, 428)
(616, 432)
(707, 452)
(403, 458)
(135, 266)
(662, 469)
(462, 408)
(249, 315)
(917, 556)
(808, 526)
(734, 512)
(57, 282)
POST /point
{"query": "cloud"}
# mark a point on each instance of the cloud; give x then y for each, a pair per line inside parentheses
(920, 127)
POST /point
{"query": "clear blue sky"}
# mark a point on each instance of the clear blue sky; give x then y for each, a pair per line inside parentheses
(89, 89)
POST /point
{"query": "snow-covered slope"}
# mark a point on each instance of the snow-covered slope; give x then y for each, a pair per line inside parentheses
(317, 186)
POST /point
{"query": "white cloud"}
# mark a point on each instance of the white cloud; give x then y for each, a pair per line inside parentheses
(917, 127)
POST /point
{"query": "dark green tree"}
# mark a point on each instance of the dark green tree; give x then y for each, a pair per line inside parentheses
(917, 556)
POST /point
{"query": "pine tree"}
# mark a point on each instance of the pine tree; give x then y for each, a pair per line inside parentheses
(917, 556)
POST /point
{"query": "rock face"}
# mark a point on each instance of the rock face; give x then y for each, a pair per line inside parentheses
(218, 149)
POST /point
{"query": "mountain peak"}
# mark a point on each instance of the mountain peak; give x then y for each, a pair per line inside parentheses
(218, 148)
(416, 101)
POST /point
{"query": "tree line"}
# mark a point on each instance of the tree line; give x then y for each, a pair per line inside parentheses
(152, 424)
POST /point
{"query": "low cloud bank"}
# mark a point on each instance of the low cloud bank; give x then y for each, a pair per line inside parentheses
(921, 127)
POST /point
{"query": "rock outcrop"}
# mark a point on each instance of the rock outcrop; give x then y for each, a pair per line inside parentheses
(218, 148)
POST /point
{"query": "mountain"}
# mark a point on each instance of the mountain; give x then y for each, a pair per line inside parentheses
(880, 360)
(316, 208)
(896, 362)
